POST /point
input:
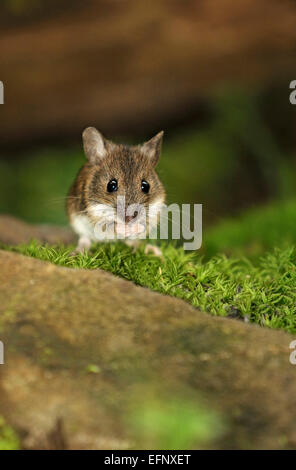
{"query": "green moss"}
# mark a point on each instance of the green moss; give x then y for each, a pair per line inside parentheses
(93, 369)
(255, 231)
(8, 438)
(262, 292)
(172, 423)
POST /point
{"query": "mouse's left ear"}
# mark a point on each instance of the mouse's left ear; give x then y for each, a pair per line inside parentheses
(94, 144)
(152, 148)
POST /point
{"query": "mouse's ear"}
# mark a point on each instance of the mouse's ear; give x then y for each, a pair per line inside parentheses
(94, 144)
(152, 148)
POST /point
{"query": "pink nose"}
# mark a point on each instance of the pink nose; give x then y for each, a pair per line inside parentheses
(128, 218)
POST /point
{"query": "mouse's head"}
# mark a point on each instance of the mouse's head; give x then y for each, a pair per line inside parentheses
(123, 181)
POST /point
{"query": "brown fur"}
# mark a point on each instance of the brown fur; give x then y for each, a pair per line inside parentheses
(127, 164)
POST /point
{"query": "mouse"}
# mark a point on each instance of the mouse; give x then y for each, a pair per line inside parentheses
(117, 193)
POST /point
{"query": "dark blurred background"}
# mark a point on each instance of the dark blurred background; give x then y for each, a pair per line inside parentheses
(214, 75)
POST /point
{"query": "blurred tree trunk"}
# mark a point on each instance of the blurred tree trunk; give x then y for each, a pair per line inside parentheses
(128, 66)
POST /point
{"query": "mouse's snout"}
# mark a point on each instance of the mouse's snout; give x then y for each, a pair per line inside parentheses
(129, 213)
(129, 218)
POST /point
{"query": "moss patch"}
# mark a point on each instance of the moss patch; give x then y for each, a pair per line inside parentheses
(261, 292)
(8, 438)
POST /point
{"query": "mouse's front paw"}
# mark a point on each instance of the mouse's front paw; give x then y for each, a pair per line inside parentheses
(152, 249)
(77, 251)
(82, 247)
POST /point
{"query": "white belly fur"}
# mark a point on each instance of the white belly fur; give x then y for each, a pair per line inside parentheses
(82, 226)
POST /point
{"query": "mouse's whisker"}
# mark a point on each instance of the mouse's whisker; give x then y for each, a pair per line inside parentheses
(59, 200)
(82, 212)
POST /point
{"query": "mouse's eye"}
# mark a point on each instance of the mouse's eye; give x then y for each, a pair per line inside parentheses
(145, 187)
(112, 186)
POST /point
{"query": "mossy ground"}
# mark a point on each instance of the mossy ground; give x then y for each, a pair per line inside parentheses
(260, 291)
(254, 232)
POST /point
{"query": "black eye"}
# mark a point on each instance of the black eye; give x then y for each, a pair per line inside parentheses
(112, 186)
(145, 186)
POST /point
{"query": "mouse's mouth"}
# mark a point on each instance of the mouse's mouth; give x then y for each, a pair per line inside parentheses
(129, 229)
(121, 229)
(117, 228)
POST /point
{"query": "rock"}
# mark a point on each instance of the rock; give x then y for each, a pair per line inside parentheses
(85, 351)
(14, 231)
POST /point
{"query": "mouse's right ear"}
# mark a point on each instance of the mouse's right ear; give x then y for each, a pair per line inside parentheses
(94, 145)
(152, 148)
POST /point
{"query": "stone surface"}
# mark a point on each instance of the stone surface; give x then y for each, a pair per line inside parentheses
(84, 348)
(14, 231)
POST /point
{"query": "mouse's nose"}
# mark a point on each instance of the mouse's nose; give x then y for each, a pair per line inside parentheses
(128, 218)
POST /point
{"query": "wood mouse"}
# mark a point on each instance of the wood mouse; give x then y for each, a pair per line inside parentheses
(115, 191)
